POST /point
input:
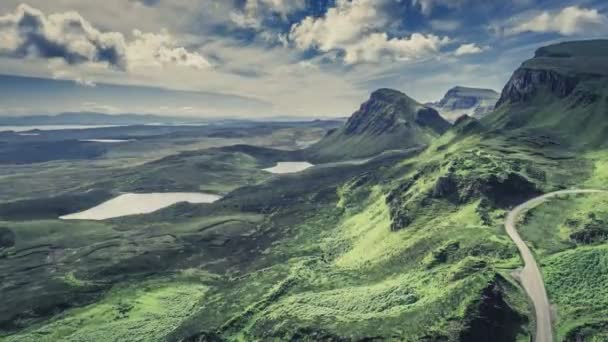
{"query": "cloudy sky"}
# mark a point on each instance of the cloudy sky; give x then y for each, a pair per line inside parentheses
(267, 57)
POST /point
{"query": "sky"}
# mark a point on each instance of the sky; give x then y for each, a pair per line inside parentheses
(264, 58)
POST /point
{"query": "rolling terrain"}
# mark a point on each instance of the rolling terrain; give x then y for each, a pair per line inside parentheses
(397, 232)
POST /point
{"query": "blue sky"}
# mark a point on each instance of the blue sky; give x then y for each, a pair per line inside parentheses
(258, 58)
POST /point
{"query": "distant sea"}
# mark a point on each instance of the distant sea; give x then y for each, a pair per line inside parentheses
(51, 127)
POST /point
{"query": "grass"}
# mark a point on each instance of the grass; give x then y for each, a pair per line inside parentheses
(576, 282)
(314, 255)
(305, 254)
(144, 312)
(575, 270)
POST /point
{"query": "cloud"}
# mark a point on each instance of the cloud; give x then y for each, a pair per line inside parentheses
(427, 6)
(354, 29)
(379, 46)
(569, 21)
(253, 13)
(155, 49)
(29, 33)
(468, 49)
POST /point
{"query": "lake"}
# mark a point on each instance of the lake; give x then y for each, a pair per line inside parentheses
(289, 167)
(51, 127)
(133, 204)
(107, 141)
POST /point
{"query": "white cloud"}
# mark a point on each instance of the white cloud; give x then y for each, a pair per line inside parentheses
(67, 36)
(378, 46)
(355, 28)
(253, 12)
(569, 21)
(468, 49)
(156, 49)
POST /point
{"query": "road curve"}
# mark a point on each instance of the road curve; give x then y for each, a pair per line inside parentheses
(531, 278)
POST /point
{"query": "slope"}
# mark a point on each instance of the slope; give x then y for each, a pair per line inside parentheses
(388, 120)
(561, 93)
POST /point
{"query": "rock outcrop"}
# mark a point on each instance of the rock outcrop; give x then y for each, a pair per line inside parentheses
(389, 120)
(526, 83)
(459, 101)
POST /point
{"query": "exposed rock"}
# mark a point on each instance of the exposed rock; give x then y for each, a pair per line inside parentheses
(459, 101)
(492, 319)
(591, 230)
(388, 108)
(527, 83)
(389, 120)
(7, 237)
(446, 187)
(203, 337)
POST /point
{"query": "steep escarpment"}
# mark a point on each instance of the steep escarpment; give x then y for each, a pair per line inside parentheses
(561, 91)
(388, 120)
(459, 101)
(527, 83)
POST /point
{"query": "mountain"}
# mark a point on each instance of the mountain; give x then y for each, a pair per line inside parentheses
(90, 118)
(403, 247)
(389, 120)
(458, 101)
(561, 92)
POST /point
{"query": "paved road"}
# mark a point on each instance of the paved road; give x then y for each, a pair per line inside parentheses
(531, 277)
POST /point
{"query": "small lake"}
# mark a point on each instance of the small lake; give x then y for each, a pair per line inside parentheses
(133, 204)
(289, 167)
(107, 141)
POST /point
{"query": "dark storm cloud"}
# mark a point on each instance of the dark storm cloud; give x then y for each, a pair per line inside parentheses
(30, 33)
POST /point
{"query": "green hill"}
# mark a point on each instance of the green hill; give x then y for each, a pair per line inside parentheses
(403, 247)
(389, 120)
(562, 92)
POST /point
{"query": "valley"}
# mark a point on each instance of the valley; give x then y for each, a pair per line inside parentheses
(389, 226)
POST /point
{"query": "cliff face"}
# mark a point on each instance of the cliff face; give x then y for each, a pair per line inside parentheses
(387, 109)
(560, 92)
(459, 101)
(559, 70)
(527, 83)
(388, 120)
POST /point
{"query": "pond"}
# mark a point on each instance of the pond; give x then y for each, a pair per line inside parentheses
(289, 167)
(133, 204)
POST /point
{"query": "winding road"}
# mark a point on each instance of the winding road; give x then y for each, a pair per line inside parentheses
(531, 276)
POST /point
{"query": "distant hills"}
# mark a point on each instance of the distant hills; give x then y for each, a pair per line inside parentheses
(91, 118)
(388, 120)
(459, 101)
(562, 91)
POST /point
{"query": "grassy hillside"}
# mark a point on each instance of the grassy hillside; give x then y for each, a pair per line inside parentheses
(560, 93)
(405, 246)
(389, 120)
(570, 235)
(337, 252)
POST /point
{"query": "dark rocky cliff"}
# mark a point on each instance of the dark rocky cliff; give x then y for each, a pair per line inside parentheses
(527, 83)
(388, 120)
(559, 93)
(388, 108)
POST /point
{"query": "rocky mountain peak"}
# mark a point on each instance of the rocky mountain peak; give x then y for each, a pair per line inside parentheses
(459, 100)
(388, 120)
(387, 108)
